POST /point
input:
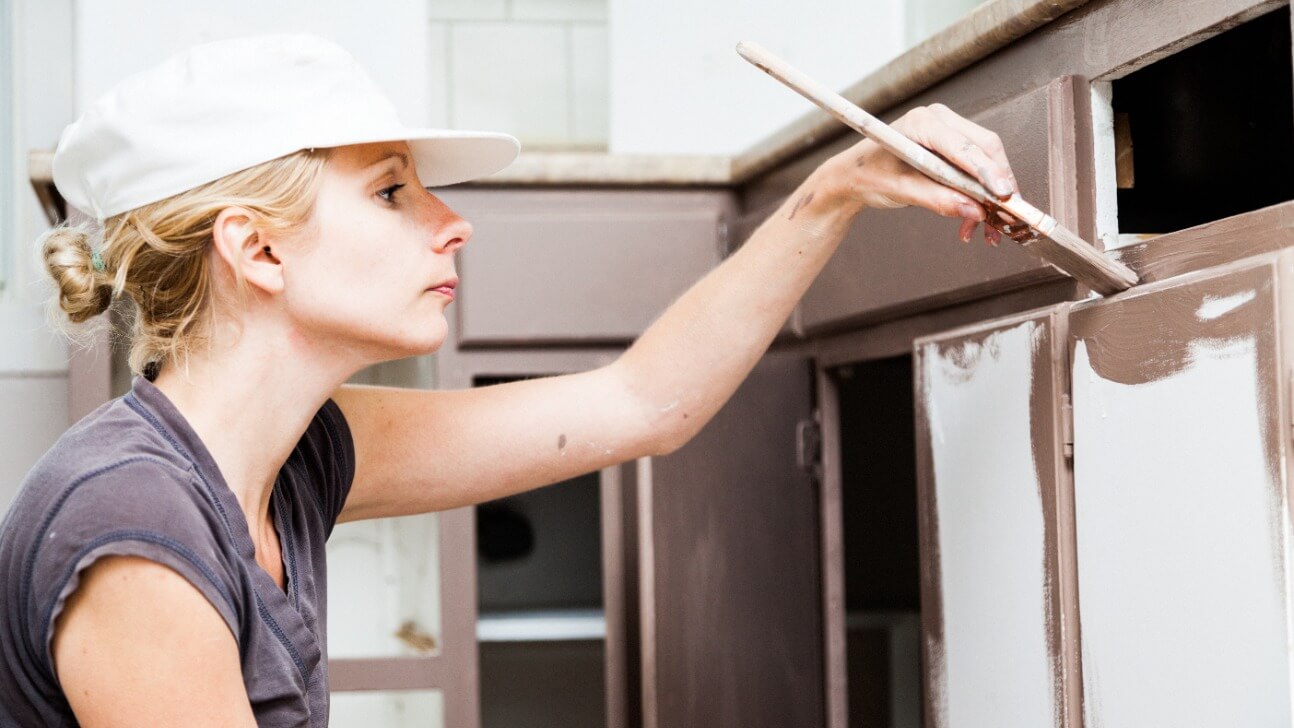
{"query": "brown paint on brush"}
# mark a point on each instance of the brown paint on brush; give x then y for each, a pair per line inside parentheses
(1148, 336)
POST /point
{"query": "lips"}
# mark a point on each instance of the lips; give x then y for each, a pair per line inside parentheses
(446, 288)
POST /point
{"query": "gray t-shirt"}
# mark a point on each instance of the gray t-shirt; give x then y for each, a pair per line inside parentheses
(133, 478)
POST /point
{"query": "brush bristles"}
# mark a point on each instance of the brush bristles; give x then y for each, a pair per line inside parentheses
(1085, 263)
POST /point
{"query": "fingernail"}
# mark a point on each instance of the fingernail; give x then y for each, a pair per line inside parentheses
(968, 211)
(1002, 186)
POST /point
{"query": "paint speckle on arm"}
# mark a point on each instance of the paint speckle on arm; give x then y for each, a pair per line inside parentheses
(561, 442)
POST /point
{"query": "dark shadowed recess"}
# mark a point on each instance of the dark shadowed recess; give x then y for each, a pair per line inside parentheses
(1211, 128)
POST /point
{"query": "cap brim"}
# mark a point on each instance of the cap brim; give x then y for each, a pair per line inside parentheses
(449, 156)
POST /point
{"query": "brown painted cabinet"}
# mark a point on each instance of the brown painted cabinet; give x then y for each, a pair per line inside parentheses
(895, 262)
(731, 624)
(1105, 508)
(1182, 507)
(998, 587)
(538, 259)
(959, 492)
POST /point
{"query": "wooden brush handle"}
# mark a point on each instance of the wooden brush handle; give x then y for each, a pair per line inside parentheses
(1044, 237)
(893, 141)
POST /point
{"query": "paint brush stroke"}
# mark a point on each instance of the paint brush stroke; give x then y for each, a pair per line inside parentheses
(996, 662)
(1180, 507)
(1148, 338)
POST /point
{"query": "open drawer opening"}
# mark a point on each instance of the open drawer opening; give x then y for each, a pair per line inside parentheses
(881, 544)
(1197, 136)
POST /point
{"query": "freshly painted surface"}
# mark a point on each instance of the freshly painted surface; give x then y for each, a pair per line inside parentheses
(996, 665)
(1180, 507)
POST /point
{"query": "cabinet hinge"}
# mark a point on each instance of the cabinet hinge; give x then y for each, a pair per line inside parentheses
(808, 445)
(1067, 424)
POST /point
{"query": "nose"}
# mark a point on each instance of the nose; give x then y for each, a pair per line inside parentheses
(452, 233)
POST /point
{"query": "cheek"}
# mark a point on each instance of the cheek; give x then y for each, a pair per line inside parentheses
(366, 275)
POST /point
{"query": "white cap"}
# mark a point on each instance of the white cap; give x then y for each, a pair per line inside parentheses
(222, 107)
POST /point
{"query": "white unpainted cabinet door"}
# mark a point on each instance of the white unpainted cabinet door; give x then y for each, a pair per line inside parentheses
(994, 500)
(1181, 503)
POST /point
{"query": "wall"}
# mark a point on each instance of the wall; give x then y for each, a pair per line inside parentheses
(533, 68)
(679, 87)
(33, 359)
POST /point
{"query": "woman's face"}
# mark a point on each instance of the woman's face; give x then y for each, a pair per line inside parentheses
(378, 271)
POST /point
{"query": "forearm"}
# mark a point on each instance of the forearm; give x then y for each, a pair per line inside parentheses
(687, 364)
(691, 360)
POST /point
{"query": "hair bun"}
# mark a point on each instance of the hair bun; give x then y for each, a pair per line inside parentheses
(83, 292)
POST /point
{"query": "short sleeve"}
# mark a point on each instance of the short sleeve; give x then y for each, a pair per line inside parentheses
(140, 507)
(326, 457)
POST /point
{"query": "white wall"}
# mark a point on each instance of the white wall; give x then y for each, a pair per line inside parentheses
(533, 68)
(679, 87)
(33, 359)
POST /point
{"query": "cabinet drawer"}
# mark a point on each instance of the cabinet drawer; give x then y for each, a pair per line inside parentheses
(895, 262)
(580, 266)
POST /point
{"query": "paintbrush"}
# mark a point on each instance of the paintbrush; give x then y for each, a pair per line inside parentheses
(1032, 228)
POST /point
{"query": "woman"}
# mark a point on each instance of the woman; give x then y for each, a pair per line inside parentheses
(267, 218)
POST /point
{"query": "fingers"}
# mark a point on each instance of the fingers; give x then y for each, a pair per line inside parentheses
(967, 229)
(909, 187)
(970, 146)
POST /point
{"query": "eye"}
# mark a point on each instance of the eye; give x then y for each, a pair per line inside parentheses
(388, 193)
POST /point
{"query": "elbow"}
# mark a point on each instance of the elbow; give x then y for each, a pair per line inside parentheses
(669, 431)
(667, 444)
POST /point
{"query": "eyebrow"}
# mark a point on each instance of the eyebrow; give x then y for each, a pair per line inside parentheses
(404, 159)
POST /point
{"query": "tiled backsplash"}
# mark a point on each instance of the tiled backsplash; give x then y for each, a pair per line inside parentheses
(536, 69)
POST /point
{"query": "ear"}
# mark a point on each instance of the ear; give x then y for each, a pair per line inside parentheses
(242, 247)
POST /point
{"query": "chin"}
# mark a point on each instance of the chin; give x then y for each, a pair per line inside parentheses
(427, 340)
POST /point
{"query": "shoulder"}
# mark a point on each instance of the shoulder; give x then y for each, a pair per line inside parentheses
(111, 486)
(130, 620)
(111, 471)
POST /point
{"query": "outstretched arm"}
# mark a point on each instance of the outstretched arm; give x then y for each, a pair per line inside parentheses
(425, 451)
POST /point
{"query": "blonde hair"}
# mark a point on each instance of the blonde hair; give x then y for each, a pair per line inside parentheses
(157, 254)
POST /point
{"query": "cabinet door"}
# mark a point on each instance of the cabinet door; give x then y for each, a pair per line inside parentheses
(731, 597)
(1181, 506)
(996, 525)
(899, 261)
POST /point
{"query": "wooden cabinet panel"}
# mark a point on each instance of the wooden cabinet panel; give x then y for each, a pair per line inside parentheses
(732, 618)
(1181, 506)
(996, 537)
(580, 266)
(899, 261)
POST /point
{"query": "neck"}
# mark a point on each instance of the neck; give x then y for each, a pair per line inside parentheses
(250, 402)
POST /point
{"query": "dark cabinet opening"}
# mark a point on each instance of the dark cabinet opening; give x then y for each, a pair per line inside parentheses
(541, 629)
(881, 545)
(1208, 132)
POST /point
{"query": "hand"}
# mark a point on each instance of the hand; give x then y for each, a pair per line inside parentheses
(868, 175)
